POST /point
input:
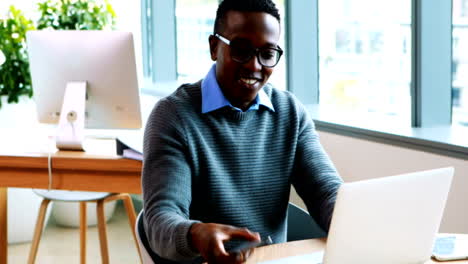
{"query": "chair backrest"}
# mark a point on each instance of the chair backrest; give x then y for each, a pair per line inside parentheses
(301, 225)
(143, 245)
(148, 256)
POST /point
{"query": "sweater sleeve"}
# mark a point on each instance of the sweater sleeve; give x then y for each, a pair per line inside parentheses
(315, 178)
(166, 183)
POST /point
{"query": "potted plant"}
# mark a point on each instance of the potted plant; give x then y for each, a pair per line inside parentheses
(76, 15)
(15, 79)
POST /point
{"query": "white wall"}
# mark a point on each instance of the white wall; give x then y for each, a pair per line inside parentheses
(358, 159)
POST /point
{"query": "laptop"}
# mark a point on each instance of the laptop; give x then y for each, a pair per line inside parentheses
(390, 220)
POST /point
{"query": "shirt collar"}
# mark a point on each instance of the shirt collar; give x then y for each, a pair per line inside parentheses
(213, 98)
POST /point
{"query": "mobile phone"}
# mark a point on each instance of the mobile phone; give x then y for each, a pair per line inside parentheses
(246, 245)
(445, 249)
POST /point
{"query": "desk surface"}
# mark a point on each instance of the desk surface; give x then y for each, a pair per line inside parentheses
(97, 169)
(25, 164)
(302, 247)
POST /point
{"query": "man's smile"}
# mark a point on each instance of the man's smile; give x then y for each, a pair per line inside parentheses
(249, 81)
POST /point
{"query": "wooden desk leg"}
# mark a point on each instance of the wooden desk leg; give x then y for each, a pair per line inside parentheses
(3, 226)
(83, 227)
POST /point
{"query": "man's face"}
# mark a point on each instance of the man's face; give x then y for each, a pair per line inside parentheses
(239, 82)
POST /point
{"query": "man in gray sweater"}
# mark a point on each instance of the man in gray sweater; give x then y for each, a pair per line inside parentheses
(220, 155)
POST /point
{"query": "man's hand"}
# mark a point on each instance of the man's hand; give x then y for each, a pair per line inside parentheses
(208, 240)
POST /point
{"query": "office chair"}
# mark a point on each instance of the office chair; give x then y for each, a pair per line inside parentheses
(146, 253)
(300, 226)
(83, 197)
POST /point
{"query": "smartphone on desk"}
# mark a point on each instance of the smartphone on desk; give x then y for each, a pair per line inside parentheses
(446, 248)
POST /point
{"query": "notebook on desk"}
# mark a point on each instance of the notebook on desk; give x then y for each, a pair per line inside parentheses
(130, 147)
(391, 220)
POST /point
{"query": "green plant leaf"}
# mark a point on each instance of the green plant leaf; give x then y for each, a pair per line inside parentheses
(15, 78)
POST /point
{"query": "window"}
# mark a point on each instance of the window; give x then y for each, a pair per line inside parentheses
(460, 62)
(365, 57)
(194, 23)
(362, 64)
(278, 78)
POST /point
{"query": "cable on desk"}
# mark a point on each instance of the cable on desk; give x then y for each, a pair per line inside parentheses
(49, 166)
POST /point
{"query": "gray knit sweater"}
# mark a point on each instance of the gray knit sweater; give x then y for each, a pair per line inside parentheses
(230, 167)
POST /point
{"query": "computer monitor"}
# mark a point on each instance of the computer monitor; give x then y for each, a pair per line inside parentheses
(84, 79)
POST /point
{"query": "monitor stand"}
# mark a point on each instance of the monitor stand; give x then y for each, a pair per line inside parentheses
(70, 131)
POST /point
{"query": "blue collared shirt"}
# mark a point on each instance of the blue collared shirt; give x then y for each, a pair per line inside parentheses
(213, 98)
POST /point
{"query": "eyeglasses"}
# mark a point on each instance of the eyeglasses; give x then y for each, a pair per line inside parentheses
(242, 51)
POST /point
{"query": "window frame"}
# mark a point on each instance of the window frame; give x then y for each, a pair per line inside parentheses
(430, 129)
(159, 41)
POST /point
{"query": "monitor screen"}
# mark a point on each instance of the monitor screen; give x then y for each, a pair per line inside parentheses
(103, 60)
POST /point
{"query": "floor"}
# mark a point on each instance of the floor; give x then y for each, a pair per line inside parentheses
(61, 244)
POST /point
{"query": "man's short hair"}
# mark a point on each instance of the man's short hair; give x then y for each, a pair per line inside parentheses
(266, 6)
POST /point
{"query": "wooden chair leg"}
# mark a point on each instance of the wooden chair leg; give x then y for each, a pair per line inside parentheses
(38, 231)
(83, 227)
(127, 199)
(101, 221)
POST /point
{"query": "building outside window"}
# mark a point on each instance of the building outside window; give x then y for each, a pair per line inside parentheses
(365, 58)
(194, 22)
(460, 63)
(279, 77)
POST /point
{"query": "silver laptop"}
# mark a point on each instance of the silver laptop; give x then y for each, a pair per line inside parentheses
(391, 220)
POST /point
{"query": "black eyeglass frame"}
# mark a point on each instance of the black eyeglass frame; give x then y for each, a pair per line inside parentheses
(256, 54)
